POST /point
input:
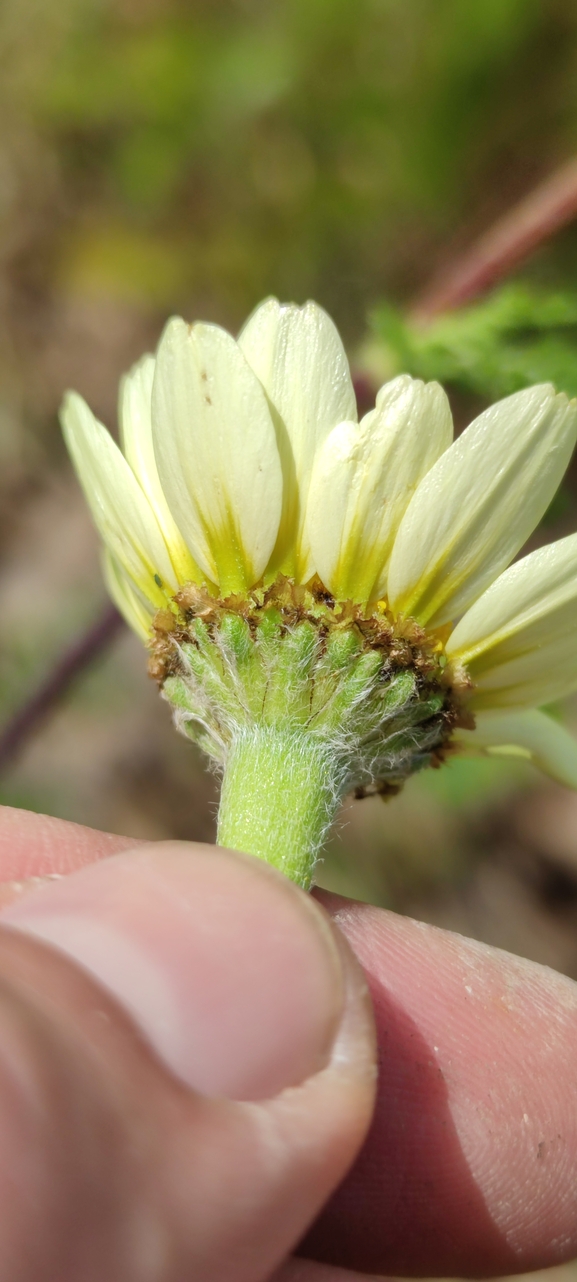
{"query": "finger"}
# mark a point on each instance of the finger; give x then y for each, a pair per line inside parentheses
(471, 1163)
(35, 846)
(296, 1270)
(109, 1151)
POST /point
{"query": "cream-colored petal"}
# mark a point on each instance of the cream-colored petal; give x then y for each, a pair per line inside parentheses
(479, 503)
(532, 734)
(363, 478)
(534, 589)
(216, 450)
(120, 509)
(135, 419)
(135, 422)
(131, 606)
(519, 640)
(545, 673)
(300, 360)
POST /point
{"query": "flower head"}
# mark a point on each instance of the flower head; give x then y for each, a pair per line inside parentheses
(244, 460)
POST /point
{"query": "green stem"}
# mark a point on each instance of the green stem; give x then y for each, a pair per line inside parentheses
(280, 791)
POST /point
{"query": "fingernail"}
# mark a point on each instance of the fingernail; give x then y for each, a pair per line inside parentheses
(230, 971)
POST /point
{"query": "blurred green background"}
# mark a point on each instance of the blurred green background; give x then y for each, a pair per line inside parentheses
(173, 155)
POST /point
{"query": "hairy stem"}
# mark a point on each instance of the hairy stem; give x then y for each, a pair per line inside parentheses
(280, 791)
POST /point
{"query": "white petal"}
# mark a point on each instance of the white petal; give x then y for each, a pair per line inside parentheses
(120, 509)
(363, 478)
(525, 734)
(479, 503)
(301, 362)
(533, 589)
(135, 419)
(544, 674)
(519, 640)
(216, 450)
(126, 600)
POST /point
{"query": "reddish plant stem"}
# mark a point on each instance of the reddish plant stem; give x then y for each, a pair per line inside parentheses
(507, 243)
(74, 661)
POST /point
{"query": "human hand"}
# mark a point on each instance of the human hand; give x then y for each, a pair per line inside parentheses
(112, 1166)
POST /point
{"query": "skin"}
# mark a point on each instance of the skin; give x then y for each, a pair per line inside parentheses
(131, 1151)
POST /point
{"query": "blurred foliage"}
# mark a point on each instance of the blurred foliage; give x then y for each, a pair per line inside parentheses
(218, 150)
(521, 334)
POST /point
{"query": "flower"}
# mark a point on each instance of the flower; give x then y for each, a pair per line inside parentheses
(244, 460)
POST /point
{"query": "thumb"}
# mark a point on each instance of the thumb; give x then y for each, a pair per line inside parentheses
(186, 1069)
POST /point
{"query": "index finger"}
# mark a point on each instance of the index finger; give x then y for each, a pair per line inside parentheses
(471, 1163)
(34, 846)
